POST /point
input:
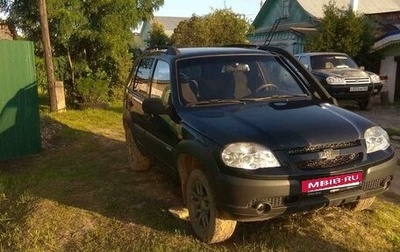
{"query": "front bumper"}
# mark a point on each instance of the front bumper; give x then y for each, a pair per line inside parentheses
(343, 91)
(252, 200)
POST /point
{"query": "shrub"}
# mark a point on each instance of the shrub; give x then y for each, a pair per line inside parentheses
(92, 92)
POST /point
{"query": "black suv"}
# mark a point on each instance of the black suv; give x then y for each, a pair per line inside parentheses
(251, 135)
(341, 76)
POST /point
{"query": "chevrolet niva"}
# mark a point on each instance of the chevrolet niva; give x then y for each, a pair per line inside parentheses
(342, 78)
(251, 135)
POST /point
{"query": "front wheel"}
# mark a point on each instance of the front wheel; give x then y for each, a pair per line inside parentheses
(366, 104)
(206, 220)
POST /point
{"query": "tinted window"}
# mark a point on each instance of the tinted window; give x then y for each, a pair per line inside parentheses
(303, 60)
(161, 81)
(332, 61)
(143, 76)
(236, 77)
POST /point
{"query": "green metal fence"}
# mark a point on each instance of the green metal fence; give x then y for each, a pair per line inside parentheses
(19, 106)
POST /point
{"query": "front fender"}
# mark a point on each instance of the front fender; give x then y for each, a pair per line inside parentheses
(203, 154)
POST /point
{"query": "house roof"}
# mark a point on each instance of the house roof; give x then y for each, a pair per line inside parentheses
(169, 23)
(388, 39)
(315, 8)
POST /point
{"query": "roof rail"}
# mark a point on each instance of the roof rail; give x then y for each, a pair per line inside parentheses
(250, 46)
(172, 50)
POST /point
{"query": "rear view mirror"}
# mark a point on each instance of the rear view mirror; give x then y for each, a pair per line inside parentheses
(238, 67)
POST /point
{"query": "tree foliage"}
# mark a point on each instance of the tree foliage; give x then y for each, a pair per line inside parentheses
(221, 27)
(342, 30)
(157, 36)
(91, 37)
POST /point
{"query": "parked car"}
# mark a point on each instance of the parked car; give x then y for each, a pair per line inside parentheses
(341, 76)
(251, 135)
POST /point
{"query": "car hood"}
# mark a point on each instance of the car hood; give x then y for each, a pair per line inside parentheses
(342, 72)
(277, 125)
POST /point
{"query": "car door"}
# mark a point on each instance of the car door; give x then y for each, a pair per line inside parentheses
(163, 132)
(138, 89)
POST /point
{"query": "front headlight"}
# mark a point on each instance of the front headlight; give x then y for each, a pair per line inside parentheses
(333, 80)
(377, 139)
(248, 156)
(375, 78)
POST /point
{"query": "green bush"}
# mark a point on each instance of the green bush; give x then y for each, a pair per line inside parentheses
(92, 92)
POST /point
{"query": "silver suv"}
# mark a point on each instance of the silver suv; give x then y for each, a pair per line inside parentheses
(342, 78)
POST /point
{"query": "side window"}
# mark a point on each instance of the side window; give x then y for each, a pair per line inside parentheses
(143, 76)
(161, 81)
(303, 60)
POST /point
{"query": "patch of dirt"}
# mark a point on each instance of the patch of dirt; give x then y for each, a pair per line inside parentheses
(386, 117)
(48, 129)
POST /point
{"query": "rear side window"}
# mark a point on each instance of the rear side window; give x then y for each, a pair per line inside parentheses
(161, 81)
(142, 81)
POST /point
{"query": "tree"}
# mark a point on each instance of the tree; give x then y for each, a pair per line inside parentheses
(342, 30)
(54, 99)
(221, 27)
(157, 36)
(90, 39)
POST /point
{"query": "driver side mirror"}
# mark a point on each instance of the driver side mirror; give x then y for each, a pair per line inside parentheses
(154, 106)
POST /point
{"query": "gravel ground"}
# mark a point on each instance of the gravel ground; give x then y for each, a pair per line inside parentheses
(386, 117)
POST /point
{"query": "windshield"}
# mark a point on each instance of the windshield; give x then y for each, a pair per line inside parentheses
(332, 61)
(229, 79)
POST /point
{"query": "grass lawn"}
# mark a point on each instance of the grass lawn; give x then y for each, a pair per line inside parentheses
(79, 195)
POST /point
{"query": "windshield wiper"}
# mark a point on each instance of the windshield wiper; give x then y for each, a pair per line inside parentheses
(273, 97)
(216, 101)
(289, 96)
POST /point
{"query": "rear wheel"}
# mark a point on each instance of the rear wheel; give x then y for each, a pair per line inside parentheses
(367, 103)
(362, 204)
(137, 161)
(206, 220)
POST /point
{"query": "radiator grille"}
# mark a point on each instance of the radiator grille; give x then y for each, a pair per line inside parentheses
(316, 148)
(373, 184)
(274, 202)
(357, 80)
(328, 163)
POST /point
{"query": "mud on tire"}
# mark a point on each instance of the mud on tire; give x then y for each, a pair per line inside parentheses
(208, 223)
(137, 161)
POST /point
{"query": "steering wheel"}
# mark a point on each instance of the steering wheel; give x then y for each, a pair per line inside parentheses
(266, 86)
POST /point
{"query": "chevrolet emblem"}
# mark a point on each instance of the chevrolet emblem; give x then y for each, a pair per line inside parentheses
(329, 154)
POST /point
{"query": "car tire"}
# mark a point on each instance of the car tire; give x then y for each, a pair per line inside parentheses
(366, 104)
(206, 220)
(361, 204)
(137, 161)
